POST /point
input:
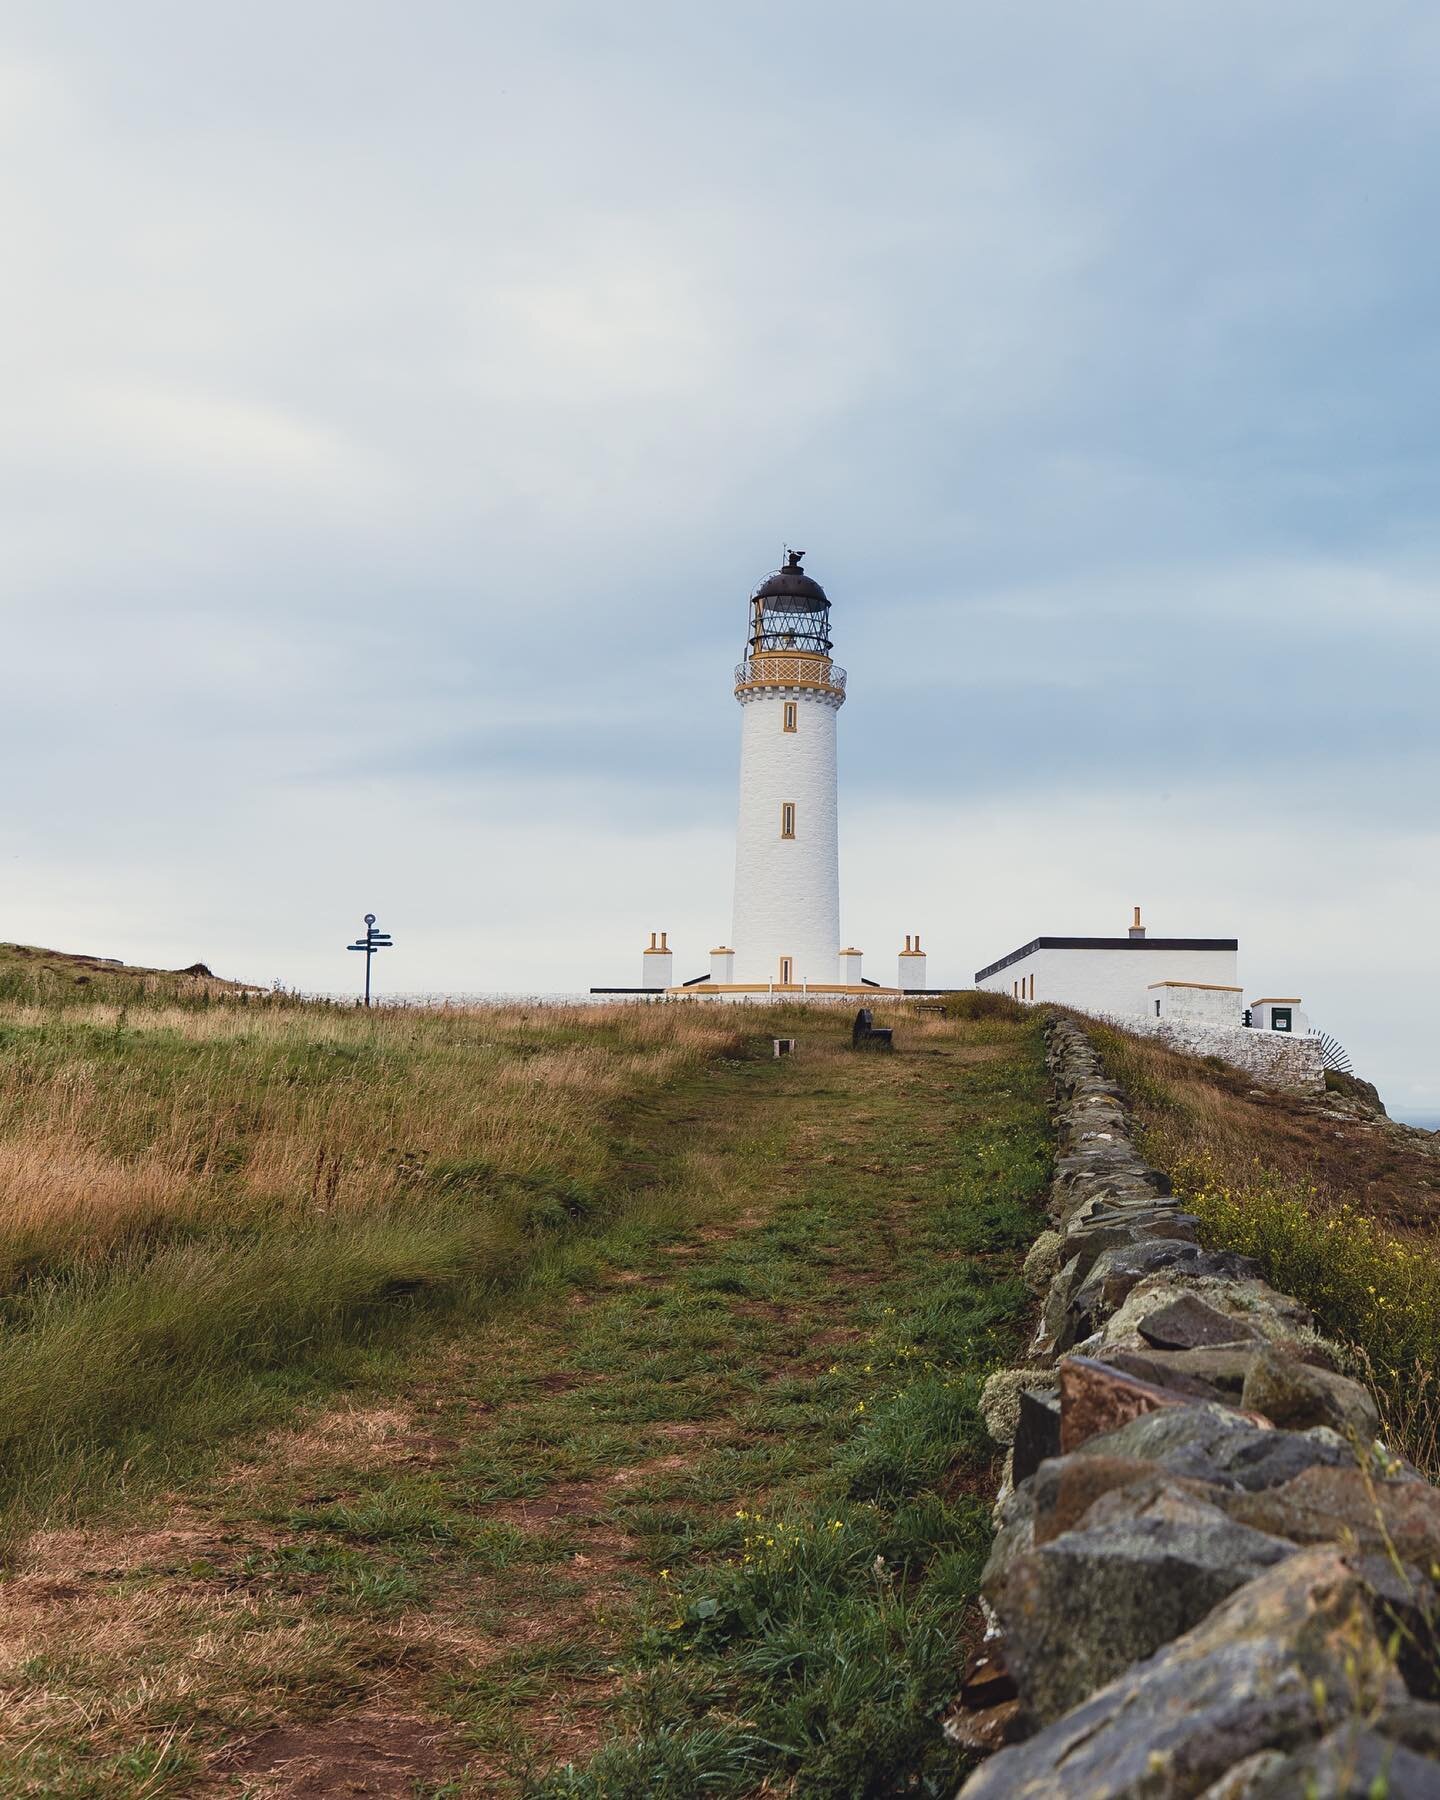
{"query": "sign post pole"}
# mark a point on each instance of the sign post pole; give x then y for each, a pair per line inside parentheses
(372, 942)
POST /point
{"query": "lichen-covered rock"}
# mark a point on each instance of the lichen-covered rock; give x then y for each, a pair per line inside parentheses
(1272, 1667)
(1298, 1395)
(1042, 1264)
(1255, 1306)
(1115, 1273)
(1081, 1608)
(1000, 1398)
(1320, 1505)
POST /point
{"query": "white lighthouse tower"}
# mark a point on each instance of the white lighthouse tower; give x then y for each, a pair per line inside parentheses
(786, 922)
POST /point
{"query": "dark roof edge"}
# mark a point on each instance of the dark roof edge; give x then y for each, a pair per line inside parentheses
(1106, 943)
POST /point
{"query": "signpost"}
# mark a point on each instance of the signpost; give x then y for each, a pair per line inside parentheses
(372, 941)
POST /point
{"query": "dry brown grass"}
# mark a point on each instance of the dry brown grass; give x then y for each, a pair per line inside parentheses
(168, 1117)
(1194, 1108)
(1340, 1211)
(192, 1196)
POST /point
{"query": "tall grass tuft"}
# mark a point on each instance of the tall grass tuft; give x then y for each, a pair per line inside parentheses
(1376, 1293)
(200, 1203)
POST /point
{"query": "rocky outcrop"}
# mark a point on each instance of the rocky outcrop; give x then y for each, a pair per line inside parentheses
(1209, 1577)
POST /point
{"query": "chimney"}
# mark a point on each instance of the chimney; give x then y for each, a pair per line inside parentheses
(1137, 930)
(657, 964)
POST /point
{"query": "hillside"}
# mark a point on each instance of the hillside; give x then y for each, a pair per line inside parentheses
(561, 1402)
(1340, 1143)
(28, 972)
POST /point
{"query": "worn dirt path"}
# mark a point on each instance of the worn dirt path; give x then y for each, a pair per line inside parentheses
(439, 1589)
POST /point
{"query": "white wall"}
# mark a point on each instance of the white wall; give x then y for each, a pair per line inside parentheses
(787, 891)
(1209, 1005)
(1112, 981)
(657, 968)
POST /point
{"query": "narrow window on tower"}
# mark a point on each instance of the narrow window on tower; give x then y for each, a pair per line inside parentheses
(791, 712)
(787, 971)
(787, 819)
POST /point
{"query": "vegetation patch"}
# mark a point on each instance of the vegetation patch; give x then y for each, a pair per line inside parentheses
(1298, 1200)
(512, 1556)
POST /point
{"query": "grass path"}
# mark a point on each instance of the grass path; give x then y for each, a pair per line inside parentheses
(699, 1511)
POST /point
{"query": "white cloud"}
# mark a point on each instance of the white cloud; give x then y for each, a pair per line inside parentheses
(399, 403)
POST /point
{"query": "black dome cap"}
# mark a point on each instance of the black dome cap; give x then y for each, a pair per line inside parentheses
(793, 586)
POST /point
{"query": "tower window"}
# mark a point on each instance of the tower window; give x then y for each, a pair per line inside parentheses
(791, 715)
(787, 819)
(787, 971)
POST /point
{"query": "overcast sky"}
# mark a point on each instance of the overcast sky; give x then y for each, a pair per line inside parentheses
(400, 401)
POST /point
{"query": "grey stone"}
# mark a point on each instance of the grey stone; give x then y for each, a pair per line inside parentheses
(1406, 1607)
(1078, 1610)
(1212, 1443)
(1113, 1230)
(1115, 1272)
(1066, 1487)
(1399, 1516)
(1037, 1430)
(1239, 1783)
(1014, 1534)
(1053, 1332)
(1255, 1305)
(1296, 1394)
(1205, 1374)
(1187, 1323)
(1413, 1723)
(1248, 1678)
(1353, 1763)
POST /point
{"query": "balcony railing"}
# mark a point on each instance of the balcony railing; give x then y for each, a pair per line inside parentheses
(775, 668)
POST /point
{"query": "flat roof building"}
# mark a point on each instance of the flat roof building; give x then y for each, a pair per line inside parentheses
(1122, 976)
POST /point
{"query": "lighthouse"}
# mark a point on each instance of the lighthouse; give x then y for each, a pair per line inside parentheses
(785, 922)
(786, 918)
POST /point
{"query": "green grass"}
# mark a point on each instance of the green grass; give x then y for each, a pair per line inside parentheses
(811, 1632)
(773, 1324)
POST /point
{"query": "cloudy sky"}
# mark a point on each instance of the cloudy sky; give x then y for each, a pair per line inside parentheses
(400, 400)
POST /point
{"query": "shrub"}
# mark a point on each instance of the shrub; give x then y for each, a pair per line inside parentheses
(980, 1003)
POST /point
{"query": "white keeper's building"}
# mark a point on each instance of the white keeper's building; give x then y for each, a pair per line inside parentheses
(1154, 977)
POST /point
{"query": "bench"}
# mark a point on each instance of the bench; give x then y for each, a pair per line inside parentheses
(865, 1034)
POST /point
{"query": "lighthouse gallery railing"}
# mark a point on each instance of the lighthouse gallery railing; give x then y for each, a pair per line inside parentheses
(773, 668)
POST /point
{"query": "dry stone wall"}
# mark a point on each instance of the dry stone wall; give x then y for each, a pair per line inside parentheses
(1291, 1063)
(1210, 1577)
